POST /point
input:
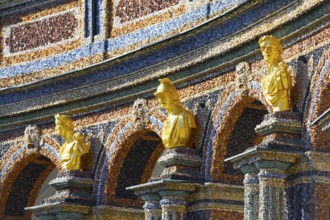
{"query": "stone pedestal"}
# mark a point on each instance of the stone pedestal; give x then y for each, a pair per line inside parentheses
(72, 199)
(281, 131)
(181, 164)
(265, 165)
(72, 187)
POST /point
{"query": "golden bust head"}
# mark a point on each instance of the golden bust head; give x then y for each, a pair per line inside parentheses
(271, 49)
(178, 125)
(167, 94)
(277, 83)
(63, 124)
(74, 146)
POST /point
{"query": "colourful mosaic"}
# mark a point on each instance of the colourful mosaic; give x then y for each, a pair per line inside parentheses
(116, 52)
(41, 33)
(129, 10)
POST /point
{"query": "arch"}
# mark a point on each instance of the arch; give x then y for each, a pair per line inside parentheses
(22, 173)
(318, 102)
(118, 145)
(228, 109)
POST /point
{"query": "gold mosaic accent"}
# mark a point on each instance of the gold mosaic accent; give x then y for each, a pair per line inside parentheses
(271, 182)
(322, 200)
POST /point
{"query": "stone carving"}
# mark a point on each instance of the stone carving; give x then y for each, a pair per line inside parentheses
(243, 77)
(74, 146)
(140, 113)
(277, 84)
(178, 125)
(32, 136)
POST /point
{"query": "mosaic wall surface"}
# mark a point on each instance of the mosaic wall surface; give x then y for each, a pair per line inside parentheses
(226, 104)
(80, 53)
(40, 33)
(130, 10)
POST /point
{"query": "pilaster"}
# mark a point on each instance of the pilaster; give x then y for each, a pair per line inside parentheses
(265, 165)
(251, 192)
(271, 189)
(152, 208)
(173, 204)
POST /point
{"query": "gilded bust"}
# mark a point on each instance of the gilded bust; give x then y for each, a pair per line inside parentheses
(277, 83)
(74, 146)
(178, 125)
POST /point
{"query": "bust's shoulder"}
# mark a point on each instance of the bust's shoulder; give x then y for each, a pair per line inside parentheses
(186, 113)
(282, 65)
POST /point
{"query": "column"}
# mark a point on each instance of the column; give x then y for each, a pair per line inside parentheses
(173, 204)
(251, 192)
(271, 189)
(152, 209)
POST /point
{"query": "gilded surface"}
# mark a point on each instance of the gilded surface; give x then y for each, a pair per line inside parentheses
(277, 83)
(180, 122)
(74, 146)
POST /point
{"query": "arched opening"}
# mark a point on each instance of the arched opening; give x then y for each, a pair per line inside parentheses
(139, 163)
(129, 160)
(243, 135)
(23, 187)
(233, 133)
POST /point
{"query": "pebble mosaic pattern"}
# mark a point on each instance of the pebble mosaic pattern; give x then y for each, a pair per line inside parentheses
(223, 113)
(128, 10)
(114, 44)
(41, 33)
